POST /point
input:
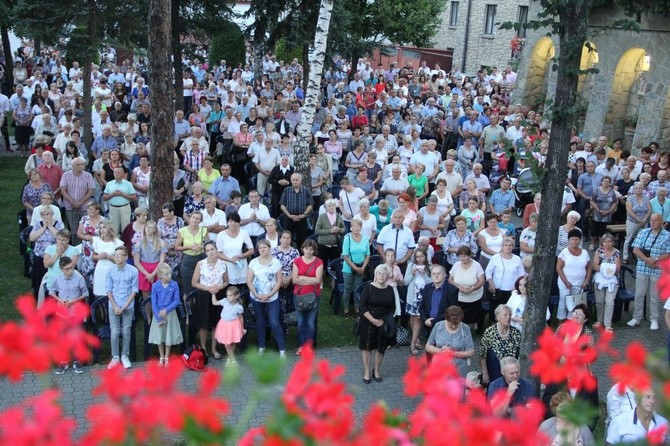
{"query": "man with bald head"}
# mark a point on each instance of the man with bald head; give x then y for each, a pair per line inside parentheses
(119, 194)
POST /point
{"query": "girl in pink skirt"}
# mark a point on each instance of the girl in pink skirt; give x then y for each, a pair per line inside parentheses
(230, 329)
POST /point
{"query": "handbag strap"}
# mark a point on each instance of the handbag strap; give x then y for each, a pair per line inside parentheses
(307, 273)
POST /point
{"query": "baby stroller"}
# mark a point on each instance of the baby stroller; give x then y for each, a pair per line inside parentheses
(524, 189)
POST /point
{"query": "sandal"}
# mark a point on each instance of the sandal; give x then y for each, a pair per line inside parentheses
(418, 346)
(610, 329)
(597, 325)
(415, 352)
(165, 361)
(298, 352)
(161, 362)
(216, 355)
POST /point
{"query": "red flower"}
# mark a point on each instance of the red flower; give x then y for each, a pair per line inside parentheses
(658, 435)
(37, 420)
(664, 281)
(43, 339)
(142, 403)
(632, 373)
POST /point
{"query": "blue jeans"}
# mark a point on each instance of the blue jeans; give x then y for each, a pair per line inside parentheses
(306, 323)
(268, 312)
(351, 283)
(120, 325)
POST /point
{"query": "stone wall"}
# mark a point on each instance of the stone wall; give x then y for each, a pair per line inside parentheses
(483, 49)
(620, 89)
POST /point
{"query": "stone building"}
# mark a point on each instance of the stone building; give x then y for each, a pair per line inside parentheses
(629, 96)
(469, 27)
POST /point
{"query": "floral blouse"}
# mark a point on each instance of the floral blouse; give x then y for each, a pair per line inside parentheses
(286, 259)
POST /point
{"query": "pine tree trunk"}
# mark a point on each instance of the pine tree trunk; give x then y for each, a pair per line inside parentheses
(87, 123)
(544, 258)
(312, 93)
(162, 117)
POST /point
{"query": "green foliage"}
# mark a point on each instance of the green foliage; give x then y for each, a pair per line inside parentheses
(82, 27)
(227, 44)
(287, 50)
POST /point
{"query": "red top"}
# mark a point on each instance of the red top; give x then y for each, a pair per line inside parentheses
(302, 271)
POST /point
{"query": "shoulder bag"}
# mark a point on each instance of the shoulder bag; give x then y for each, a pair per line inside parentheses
(309, 301)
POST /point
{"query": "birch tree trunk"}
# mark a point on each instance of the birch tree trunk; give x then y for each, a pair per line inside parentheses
(162, 116)
(301, 156)
(177, 60)
(573, 34)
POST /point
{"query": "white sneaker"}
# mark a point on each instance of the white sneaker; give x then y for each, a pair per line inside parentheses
(282, 354)
(76, 367)
(261, 351)
(126, 362)
(113, 363)
(61, 369)
(654, 325)
(633, 322)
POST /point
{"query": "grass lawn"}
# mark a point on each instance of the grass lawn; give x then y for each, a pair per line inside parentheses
(12, 281)
(334, 331)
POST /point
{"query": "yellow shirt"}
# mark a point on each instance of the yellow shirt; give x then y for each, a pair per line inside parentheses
(207, 180)
(188, 239)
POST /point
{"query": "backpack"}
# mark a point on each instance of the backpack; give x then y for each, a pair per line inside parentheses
(195, 358)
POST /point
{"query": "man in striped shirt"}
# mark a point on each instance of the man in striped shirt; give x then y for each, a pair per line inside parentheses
(296, 204)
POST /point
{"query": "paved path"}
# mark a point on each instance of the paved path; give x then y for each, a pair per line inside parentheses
(77, 389)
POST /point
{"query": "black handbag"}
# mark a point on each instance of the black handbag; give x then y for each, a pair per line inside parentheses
(306, 302)
(389, 329)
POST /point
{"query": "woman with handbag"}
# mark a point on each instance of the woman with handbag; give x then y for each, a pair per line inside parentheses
(574, 269)
(306, 276)
(606, 264)
(356, 254)
(453, 336)
(377, 302)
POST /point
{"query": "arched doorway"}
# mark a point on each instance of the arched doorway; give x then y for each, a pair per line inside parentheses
(538, 63)
(626, 94)
(585, 83)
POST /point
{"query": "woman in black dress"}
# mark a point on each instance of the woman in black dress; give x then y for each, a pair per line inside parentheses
(377, 301)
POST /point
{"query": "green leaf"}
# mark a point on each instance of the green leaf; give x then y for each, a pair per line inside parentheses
(265, 368)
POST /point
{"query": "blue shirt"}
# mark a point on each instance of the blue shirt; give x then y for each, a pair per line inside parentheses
(122, 282)
(100, 143)
(589, 183)
(181, 127)
(222, 187)
(502, 200)
(164, 297)
(435, 300)
(522, 395)
(658, 244)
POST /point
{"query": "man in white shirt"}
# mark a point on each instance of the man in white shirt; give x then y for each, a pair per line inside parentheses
(253, 216)
(610, 169)
(633, 426)
(515, 132)
(394, 186)
(398, 237)
(213, 219)
(265, 160)
(453, 179)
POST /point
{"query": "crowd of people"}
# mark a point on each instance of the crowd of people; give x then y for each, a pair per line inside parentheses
(411, 166)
